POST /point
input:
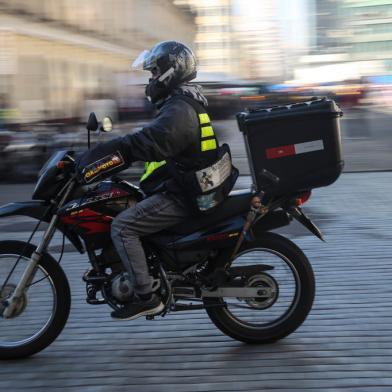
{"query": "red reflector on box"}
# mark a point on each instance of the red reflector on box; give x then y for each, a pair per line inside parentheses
(282, 151)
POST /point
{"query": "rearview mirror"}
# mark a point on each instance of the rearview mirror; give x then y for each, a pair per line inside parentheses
(92, 122)
(107, 124)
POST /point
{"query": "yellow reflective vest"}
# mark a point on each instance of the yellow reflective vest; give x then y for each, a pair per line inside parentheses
(208, 142)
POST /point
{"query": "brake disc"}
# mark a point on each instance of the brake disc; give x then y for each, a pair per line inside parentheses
(21, 304)
(266, 281)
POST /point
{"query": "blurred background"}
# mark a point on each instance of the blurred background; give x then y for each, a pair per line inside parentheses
(62, 59)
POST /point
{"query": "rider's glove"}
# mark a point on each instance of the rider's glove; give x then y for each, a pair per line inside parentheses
(102, 161)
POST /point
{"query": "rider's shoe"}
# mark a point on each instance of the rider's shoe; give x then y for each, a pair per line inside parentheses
(138, 308)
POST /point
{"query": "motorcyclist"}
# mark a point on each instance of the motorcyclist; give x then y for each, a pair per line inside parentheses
(186, 170)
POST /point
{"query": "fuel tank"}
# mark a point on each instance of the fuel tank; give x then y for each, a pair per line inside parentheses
(91, 213)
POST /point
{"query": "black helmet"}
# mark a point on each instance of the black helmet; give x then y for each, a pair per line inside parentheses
(171, 63)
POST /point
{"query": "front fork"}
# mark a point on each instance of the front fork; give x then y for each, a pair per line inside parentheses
(29, 272)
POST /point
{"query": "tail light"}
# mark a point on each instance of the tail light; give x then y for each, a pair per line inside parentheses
(302, 198)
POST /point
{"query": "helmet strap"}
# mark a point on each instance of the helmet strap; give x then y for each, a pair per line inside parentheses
(166, 74)
(155, 90)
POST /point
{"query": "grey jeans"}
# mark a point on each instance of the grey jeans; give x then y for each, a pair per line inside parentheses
(149, 216)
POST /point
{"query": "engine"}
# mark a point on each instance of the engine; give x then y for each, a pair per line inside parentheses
(122, 288)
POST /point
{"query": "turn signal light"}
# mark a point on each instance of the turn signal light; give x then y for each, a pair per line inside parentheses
(302, 198)
(61, 164)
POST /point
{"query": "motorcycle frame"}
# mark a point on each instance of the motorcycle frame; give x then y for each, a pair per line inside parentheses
(35, 208)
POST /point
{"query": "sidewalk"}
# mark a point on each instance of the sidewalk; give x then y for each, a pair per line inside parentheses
(345, 344)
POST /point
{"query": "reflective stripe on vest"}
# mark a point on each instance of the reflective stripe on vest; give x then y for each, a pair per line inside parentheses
(149, 167)
(207, 131)
(208, 140)
(208, 143)
(204, 118)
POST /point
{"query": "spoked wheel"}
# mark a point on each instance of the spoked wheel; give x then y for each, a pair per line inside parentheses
(286, 292)
(43, 309)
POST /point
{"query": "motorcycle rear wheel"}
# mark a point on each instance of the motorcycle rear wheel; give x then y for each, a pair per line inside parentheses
(240, 324)
(22, 335)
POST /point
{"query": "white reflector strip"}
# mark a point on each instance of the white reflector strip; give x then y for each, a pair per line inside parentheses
(314, 145)
(214, 175)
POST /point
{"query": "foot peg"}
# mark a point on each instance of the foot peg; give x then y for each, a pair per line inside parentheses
(93, 284)
(94, 278)
(92, 295)
(95, 301)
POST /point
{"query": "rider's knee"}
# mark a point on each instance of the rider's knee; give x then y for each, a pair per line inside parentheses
(123, 222)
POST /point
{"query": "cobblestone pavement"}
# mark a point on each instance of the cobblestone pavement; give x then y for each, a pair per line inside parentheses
(345, 344)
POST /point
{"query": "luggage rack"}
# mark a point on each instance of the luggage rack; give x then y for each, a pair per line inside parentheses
(287, 106)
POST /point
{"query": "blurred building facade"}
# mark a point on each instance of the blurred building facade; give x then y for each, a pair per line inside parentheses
(328, 58)
(370, 34)
(57, 53)
(352, 39)
(216, 50)
(327, 24)
(273, 36)
(259, 31)
(217, 47)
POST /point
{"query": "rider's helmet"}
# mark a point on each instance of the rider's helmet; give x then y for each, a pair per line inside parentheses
(171, 63)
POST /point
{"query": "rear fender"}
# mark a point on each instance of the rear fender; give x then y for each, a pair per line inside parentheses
(271, 221)
(300, 216)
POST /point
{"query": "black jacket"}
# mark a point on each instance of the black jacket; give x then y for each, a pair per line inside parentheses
(174, 133)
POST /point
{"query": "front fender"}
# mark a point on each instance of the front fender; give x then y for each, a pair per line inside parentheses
(39, 210)
(35, 209)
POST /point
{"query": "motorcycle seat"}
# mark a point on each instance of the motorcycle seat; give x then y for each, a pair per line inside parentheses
(237, 203)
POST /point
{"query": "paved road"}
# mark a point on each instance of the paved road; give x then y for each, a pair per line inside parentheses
(345, 344)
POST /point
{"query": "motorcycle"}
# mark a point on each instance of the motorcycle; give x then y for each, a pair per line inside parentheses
(256, 286)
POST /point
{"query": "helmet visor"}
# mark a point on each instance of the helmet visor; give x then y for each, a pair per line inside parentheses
(144, 62)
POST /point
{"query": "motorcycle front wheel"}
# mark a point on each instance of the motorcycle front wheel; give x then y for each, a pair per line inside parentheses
(290, 282)
(43, 309)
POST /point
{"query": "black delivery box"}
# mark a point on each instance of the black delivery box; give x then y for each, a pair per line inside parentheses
(299, 143)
